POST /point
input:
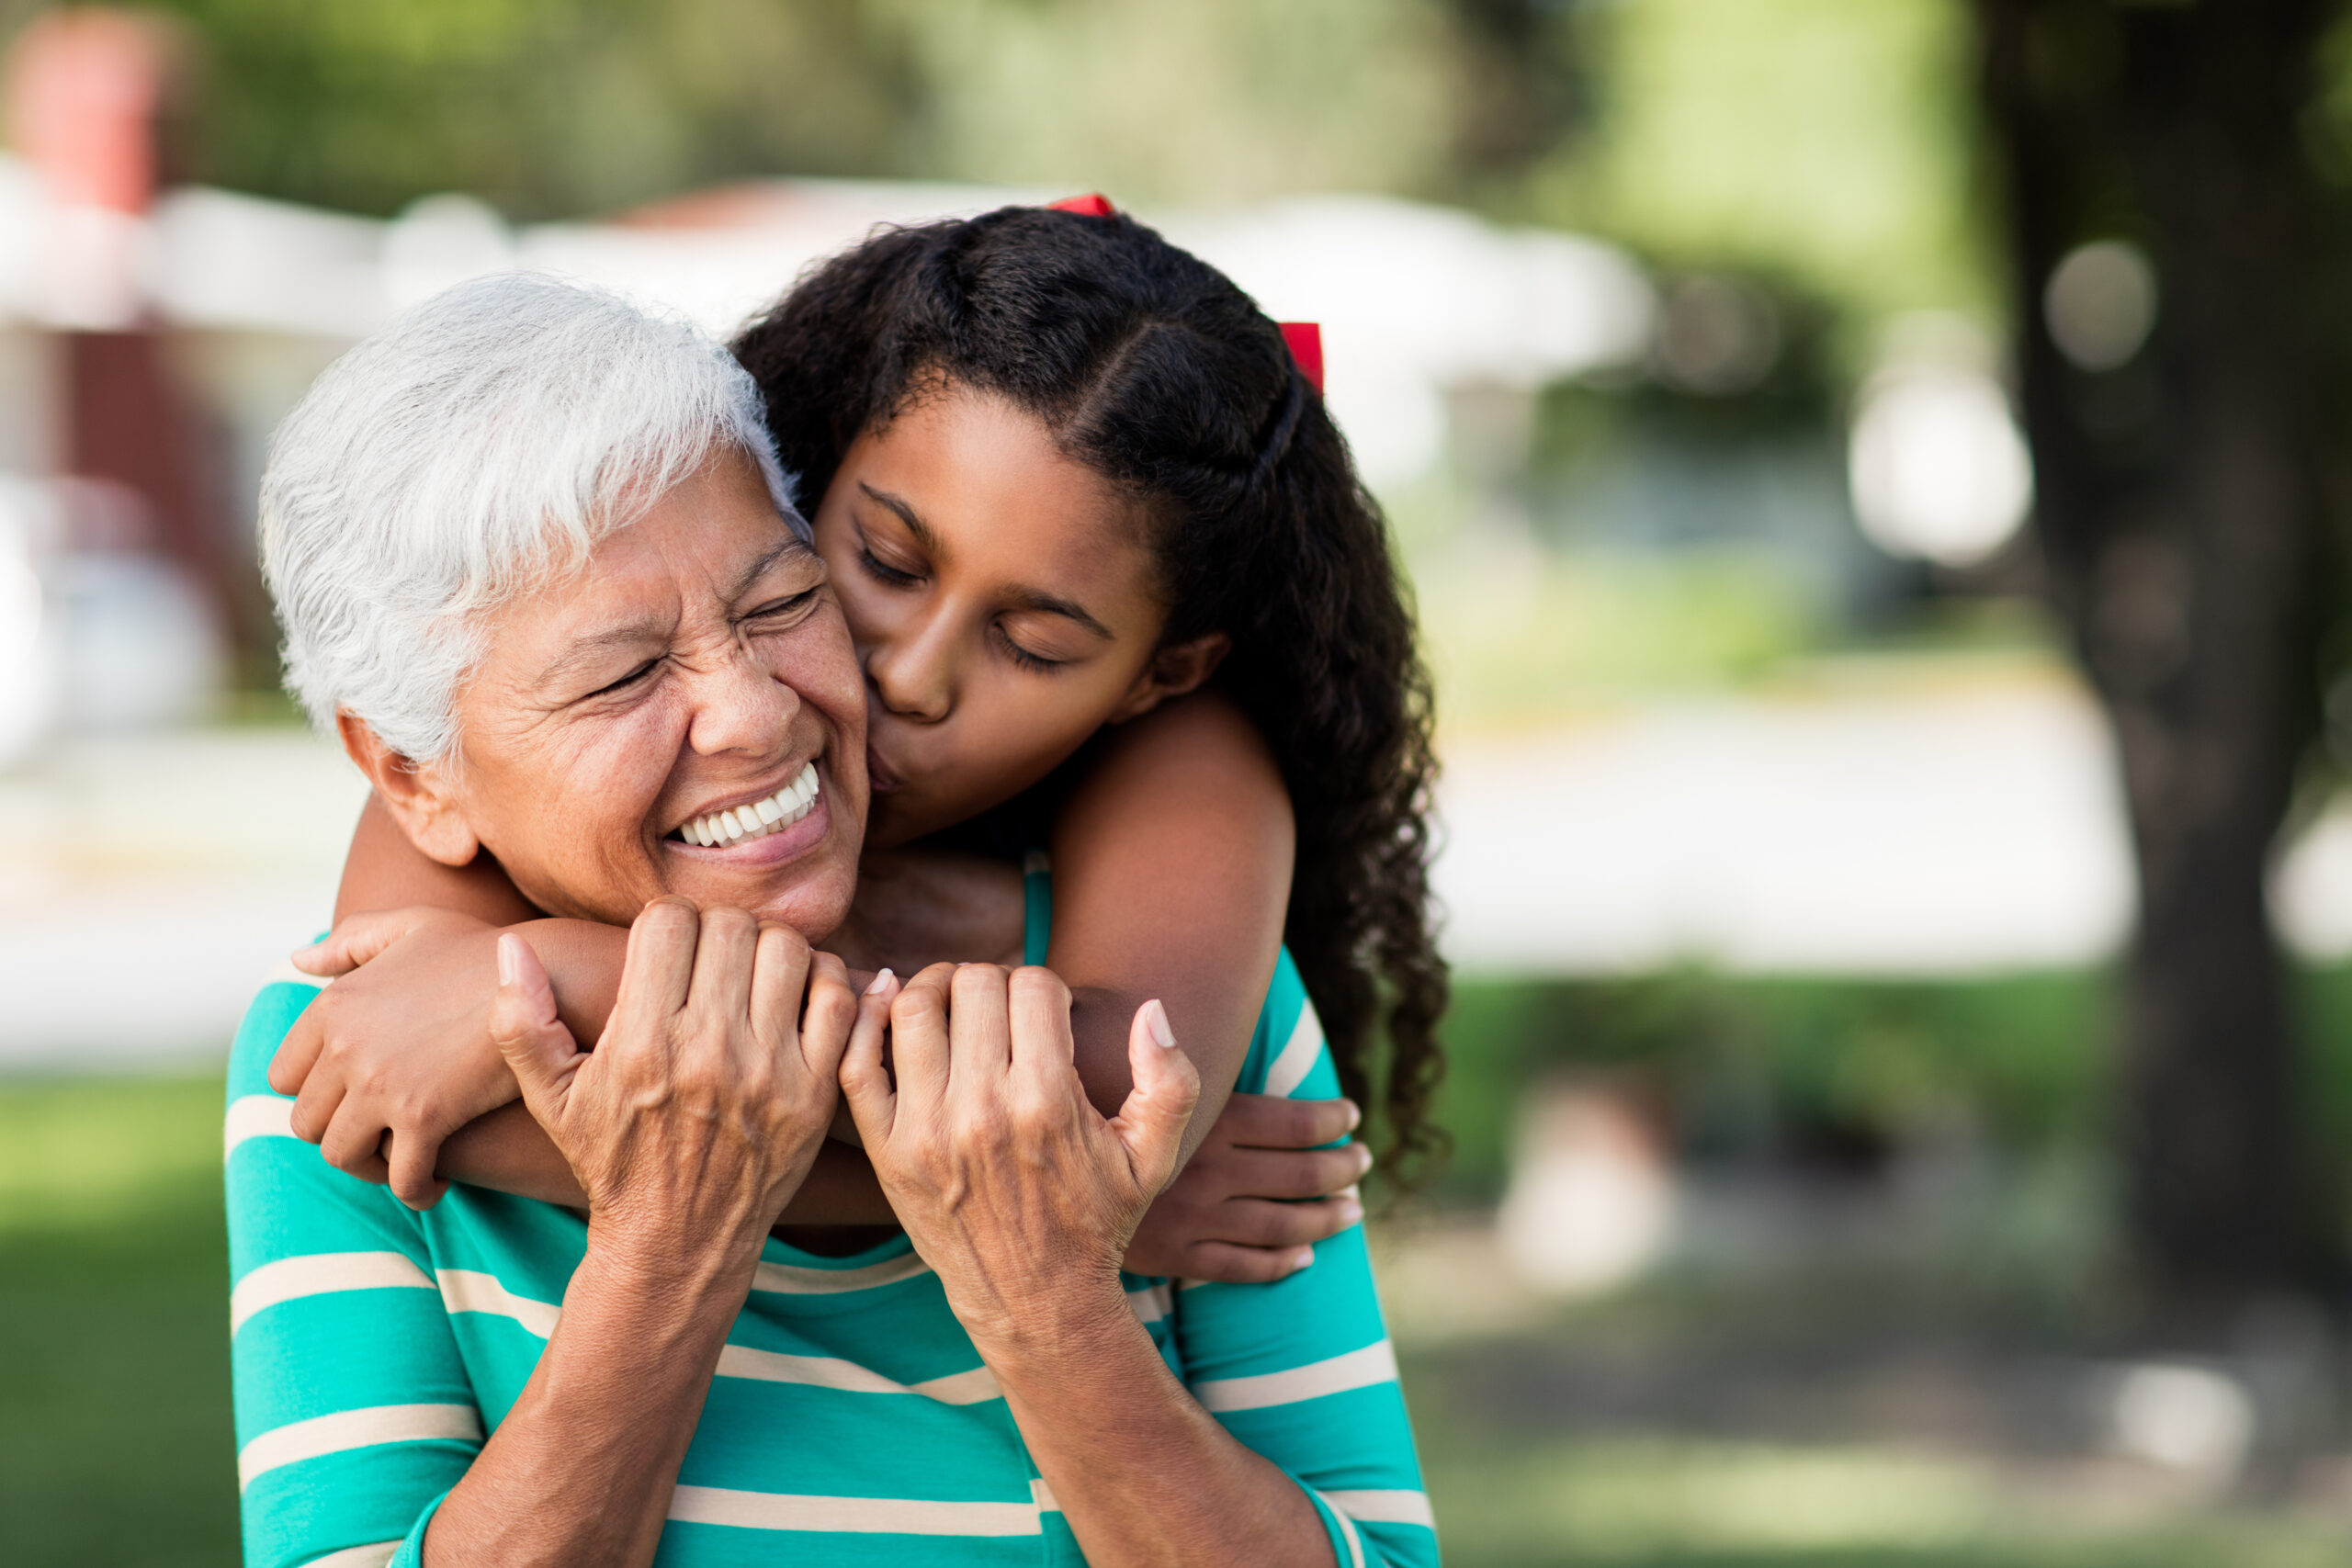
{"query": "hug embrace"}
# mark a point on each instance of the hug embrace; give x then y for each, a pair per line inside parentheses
(844, 1031)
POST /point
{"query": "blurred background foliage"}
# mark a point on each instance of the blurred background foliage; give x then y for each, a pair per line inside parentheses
(1802, 176)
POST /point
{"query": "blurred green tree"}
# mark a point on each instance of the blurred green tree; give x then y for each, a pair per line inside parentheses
(2189, 503)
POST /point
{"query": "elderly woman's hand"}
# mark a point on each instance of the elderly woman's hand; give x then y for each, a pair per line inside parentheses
(698, 1113)
(1016, 1192)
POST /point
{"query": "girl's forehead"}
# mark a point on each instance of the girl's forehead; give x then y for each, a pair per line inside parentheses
(979, 484)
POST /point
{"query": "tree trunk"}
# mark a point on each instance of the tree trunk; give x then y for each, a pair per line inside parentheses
(2178, 508)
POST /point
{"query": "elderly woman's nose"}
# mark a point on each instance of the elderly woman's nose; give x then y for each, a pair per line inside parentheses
(740, 706)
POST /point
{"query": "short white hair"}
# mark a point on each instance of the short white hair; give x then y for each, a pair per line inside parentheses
(476, 448)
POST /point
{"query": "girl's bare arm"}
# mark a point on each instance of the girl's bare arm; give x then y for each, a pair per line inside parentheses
(1172, 876)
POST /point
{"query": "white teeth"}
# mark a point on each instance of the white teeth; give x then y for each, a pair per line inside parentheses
(734, 824)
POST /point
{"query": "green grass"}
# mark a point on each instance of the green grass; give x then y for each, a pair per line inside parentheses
(115, 1445)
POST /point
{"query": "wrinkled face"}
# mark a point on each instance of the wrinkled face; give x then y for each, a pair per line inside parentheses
(683, 715)
(1002, 601)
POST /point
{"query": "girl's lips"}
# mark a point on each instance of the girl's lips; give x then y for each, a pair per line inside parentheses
(772, 849)
(878, 776)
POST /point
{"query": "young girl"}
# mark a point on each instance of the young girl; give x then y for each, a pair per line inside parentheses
(1119, 596)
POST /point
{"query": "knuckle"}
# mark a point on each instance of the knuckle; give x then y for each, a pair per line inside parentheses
(1034, 980)
(728, 920)
(977, 977)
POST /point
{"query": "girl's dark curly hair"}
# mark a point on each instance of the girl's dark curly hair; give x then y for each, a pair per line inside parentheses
(1153, 369)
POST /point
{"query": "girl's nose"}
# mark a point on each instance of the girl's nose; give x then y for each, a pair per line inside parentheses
(913, 676)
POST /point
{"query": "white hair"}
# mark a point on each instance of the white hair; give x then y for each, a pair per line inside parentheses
(474, 449)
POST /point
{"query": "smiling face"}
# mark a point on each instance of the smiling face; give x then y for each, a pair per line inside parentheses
(682, 685)
(1004, 604)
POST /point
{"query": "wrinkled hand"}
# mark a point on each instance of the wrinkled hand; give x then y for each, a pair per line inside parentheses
(1016, 1192)
(1259, 1192)
(695, 1118)
(391, 1057)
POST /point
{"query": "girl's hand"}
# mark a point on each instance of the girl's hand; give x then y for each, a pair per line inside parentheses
(692, 1122)
(392, 1057)
(1016, 1192)
(1257, 1194)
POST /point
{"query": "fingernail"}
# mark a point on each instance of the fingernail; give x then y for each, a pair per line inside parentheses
(1350, 1191)
(1303, 1258)
(1364, 1158)
(876, 986)
(1355, 1116)
(509, 971)
(1156, 1020)
(1351, 1211)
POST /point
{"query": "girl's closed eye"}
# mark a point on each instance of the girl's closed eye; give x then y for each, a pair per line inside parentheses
(1024, 659)
(883, 571)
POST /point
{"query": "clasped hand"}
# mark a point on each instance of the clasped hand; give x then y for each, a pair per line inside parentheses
(695, 1119)
(1020, 1195)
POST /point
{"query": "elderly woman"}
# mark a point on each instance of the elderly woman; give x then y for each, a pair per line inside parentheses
(485, 528)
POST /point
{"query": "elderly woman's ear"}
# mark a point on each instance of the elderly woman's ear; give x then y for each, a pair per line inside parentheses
(419, 796)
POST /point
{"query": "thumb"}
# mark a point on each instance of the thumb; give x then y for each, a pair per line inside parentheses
(1151, 1123)
(356, 939)
(523, 1021)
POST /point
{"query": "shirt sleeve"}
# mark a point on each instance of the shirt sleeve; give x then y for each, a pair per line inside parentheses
(1302, 1371)
(355, 1415)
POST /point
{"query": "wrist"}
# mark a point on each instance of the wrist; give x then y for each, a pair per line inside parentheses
(1071, 1318)
(665, 1257)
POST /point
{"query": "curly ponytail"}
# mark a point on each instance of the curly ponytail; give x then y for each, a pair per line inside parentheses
(1152, 369)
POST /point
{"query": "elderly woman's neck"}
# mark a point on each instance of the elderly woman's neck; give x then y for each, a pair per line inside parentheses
(919, 906)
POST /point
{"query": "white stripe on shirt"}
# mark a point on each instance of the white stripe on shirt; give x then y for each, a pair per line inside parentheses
(1152, 1303)
(374, 1556)
(785, 1280)
(1372, 1365)
(257, 1116)
(290, 1279)
(1348, 1530)
(864, 1516)
(465, 1291)
(975, 1387)
(1384, 1507)
(348, 1429)
(1289, 1070)
(1043, 1496)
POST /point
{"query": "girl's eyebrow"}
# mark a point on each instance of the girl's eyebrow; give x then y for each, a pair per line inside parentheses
(1030, 599)
(905, 514)
(1034, 600)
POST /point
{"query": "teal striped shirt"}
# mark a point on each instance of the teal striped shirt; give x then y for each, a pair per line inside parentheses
(851, 1420)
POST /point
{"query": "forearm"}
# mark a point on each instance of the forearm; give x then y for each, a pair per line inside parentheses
(581, 1472)
(1145, 1476)
(506, 1151)
(384, 871)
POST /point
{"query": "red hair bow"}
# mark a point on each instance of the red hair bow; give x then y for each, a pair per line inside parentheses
(1304, 338)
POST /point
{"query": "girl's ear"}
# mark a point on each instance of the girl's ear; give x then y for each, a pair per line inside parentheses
(419, 797)
(1179, 668)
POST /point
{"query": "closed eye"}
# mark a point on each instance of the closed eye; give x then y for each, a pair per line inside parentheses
(631, 679)
(881, 571)
(795, 605)
(1024, 659)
